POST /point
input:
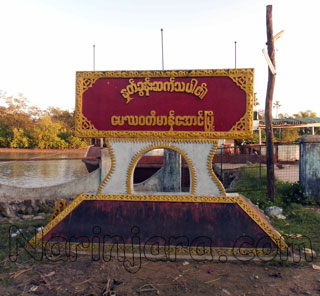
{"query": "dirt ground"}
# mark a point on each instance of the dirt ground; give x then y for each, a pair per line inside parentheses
(87, 277)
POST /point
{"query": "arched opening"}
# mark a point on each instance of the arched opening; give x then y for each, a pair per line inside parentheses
(154, 171)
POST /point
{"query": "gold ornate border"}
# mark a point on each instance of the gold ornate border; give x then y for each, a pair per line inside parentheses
(248, 208)
(61, 205)
(159, 146)
(244, 78)
(113, 162)
(167, 251)
(212, 174)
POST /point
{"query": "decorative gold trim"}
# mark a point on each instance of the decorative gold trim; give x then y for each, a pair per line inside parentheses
(113, 162)
(70, 207)
(212, 174)
(61, 205)
(244, 78)
(256, 215)
(86, 124)
(137, 157)
(167, 251)
(248, 208)
(200, 137)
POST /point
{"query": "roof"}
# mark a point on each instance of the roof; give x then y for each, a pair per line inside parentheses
(292, 121)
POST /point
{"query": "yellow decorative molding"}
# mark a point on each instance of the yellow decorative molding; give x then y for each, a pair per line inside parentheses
(113, 162)
(242, 77)
(168, 252)
(61, 205)
(234, 74)
(137, 157)
(212, 174)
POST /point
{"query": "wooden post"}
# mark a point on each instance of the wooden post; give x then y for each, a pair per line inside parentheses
(259, 136)
(268, 107)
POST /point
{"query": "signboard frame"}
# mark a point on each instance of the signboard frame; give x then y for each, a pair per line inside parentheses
(242, 129)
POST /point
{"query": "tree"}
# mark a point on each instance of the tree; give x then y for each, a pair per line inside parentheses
(255, 137)
(46, 133)
(64, 116)
(19, 139)
(14, 114)
(22, 125)
(305, 114)
(289, 135)
(277, 106)
(261, 114)
(284, 115)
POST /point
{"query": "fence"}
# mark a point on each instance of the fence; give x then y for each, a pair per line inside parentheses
(239, 168)
(243, 168)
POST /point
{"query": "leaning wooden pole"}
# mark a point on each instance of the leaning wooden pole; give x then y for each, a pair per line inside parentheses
(268, 107)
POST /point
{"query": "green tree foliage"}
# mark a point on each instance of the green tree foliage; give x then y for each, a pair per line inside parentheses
(19, 139)
(305, 114)
(45, 134)
(23, 126)
(255, 138)
(293, 134)
(16, 123)
(75, 142)
(63, 116)
(284, 115)
(289, 135)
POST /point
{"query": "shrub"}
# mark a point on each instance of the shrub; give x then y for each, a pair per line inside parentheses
(19, 139)
(75, 142)
(293, 193)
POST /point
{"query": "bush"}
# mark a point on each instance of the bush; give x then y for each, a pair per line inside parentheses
(19, 139)
(75, 142)
(45, 134)
(293, 193)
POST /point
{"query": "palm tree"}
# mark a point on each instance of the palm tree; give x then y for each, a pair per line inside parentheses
(277, 105)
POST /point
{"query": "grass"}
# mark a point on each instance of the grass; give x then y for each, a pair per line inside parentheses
(302, 225)
(250, 178)
(8, 243)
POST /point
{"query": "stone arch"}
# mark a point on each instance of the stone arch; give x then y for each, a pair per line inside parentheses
(139, 155)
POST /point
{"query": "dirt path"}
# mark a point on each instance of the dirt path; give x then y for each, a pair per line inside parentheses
(85, 277)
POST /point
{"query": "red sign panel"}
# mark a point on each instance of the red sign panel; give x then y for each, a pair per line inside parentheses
(187, 105)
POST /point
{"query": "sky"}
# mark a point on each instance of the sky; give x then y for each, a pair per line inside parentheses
(44, 43)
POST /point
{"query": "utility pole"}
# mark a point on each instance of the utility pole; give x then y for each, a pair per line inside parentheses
(268, 107)
(162, 49)
(235, 54)
(94, 68)
(94, 57)
(171, 173)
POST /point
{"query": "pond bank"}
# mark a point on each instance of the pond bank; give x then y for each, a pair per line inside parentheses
(38, 150)
(14, 200)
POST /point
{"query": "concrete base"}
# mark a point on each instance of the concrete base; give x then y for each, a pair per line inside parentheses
(216, 225)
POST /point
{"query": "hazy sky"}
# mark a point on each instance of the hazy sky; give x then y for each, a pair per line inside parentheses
(43, 43)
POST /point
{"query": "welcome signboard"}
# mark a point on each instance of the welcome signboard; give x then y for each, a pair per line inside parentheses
(185, 104)
(184, 111)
